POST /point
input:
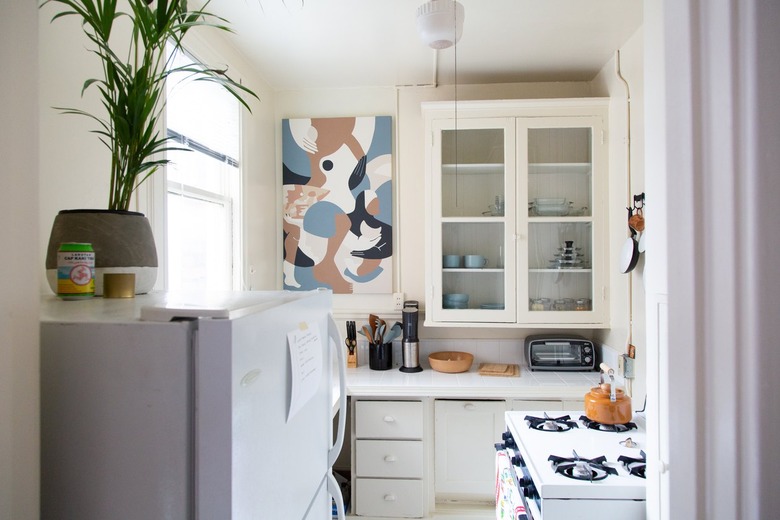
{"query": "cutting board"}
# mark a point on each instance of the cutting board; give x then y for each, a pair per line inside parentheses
(498, 369)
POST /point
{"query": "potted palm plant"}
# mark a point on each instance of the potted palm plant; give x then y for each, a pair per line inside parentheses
(135, 66)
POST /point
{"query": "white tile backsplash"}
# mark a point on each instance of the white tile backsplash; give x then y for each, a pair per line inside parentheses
(489, 351)
(610, 357)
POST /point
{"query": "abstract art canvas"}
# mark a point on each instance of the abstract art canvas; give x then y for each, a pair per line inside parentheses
(338, 195)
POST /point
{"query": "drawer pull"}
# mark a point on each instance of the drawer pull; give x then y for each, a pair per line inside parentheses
(389, 498)
(470, 406)
(389, 418)
(391, 458)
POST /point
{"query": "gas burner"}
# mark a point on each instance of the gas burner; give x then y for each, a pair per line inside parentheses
(629, 443)
(582, 469)
(550, 424)
(634, 465)
(619, 428)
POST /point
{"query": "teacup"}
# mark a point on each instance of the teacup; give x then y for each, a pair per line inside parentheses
(450, 261)
(474, 261)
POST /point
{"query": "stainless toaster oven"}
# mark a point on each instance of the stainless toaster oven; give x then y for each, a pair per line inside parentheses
(560, 352)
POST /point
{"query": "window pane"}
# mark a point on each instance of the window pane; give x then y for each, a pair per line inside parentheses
(203, 184)
(199, 252)
(203, 111)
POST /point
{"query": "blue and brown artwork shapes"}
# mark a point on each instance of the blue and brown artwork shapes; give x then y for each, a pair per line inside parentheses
(338, 220)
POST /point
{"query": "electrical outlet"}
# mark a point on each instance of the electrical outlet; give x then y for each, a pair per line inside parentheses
(629, 368)
(626, 366)
(398, 301)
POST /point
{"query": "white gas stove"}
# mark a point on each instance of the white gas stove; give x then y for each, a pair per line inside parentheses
(571, 469)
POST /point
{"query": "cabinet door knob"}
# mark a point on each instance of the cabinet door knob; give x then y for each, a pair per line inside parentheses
(470, 406)
(389, 418)
(391, 458)
(389, 498)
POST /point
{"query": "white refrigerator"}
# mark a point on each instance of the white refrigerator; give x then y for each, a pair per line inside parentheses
(191, 406)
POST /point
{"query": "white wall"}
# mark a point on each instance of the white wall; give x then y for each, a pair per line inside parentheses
(627, 292)
(409, 170)
(721, 129)
(68, 147)
(19, 397)
(74, 164)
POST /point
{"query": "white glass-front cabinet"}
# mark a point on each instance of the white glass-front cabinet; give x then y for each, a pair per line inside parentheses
(517, 213)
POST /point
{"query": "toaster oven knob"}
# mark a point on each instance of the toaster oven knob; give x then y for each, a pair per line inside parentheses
(588, 360)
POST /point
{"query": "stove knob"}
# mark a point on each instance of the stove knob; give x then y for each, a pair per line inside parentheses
(517, 460)
(529, 491)
(508, 439)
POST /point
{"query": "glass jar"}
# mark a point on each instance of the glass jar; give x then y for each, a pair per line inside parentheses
(582, 304)
(537, 304)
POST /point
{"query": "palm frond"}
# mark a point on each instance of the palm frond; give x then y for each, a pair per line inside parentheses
(132, 89)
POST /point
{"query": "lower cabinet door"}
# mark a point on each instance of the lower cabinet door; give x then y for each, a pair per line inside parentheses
(465, 434)
(388, 497)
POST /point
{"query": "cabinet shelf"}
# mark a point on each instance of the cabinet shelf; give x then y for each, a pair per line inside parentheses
(576, 168)
(561, 220)
(487, 219)
(562, 270)
(473, 168)
(472, 270)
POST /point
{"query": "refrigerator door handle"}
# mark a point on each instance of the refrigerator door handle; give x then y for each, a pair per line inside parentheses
(335, 492)
(333, 332)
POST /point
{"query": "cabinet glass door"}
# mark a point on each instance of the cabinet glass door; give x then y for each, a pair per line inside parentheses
(562, 199)
(474, 212)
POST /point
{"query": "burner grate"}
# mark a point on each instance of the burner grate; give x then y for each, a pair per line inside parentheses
(635, 466)
(550, 424)
(619, 428)
(582, 469)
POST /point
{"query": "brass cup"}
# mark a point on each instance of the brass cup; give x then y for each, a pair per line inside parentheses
(119, 285)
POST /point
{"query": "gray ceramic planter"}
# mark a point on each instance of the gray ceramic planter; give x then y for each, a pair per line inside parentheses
(122, 240)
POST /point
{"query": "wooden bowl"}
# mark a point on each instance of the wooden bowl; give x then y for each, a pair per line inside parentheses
(451, 362)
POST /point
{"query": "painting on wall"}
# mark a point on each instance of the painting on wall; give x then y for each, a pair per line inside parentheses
(338, 219)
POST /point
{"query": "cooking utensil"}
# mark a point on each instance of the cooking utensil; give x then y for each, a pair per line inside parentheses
(629, 254)
(368, 333)
(637, 221)
(393, 333)
(607, 404)
(373, 321)
(380, 334)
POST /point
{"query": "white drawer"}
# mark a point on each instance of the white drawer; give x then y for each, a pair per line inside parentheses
(392, 459)
(389, 419)
(393, 498)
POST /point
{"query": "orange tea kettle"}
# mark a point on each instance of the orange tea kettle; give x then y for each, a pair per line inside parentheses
(605, 403)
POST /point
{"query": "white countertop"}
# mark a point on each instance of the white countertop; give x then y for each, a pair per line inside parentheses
(364, 382)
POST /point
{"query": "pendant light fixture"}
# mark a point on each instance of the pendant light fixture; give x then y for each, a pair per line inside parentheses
(435, 23)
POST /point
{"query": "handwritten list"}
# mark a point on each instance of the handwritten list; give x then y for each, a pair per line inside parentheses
(306, 356)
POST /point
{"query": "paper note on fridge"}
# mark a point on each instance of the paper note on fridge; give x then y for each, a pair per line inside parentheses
(306, 366)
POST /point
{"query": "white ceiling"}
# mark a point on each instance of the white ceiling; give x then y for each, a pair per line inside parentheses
(299, 44)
